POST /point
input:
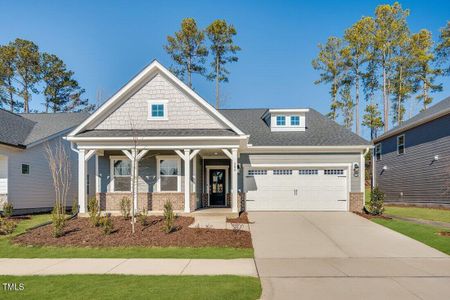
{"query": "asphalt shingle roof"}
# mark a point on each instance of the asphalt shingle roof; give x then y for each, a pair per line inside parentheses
(440, 106)
(320, 130)
(21, 130)
(156, 132)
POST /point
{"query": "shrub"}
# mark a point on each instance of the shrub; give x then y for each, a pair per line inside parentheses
(58, 221)
(94, 211)
(142, 217)
(169, 217)
(107, 224)
(74, 206)
(6, 226)
(125, 208)
(8, 209)
(375, 205)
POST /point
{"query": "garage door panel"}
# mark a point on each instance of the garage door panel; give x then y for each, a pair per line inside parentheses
(303, 190)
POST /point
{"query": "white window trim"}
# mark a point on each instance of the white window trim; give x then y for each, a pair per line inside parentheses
(285, 120)
(381, 155)
(149, 110)
(290, 120)
(112, 158)
(404, 143)
(158, 176)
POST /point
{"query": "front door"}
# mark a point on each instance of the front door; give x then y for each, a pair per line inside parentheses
(217, 187)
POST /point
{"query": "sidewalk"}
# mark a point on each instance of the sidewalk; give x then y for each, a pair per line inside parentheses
(49, 266)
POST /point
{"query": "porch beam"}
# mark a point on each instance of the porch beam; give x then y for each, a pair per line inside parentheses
(82, 180)
(234, 176)
(187, 180)
(227, 153)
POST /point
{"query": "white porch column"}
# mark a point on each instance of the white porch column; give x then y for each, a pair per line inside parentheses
(82, 180)
(187, 181)
(234, 180)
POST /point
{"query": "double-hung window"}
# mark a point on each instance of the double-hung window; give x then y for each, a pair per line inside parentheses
(401, 144)
(378, 151)
(281, 120)
(295, 121)
(169, 171)
(121, 174)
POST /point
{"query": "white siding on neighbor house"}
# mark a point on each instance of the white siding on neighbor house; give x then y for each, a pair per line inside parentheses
(35, 190)
(183, 111)
(3, 174)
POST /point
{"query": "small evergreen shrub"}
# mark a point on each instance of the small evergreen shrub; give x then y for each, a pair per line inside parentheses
(142, 217)
(6, 226)
(8, 209)
(376, 202)
(94, 211)
(106, 223)
(169, 217)
(58, 221)
(125, 208)
(74, 206)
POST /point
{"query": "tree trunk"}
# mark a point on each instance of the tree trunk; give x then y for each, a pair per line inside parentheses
(399, 103)
(11, 95)
(189, 73)
(357, 104)
(217, 84)
(385, 102)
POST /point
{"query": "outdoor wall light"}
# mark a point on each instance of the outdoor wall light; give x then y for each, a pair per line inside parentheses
(384, 168)
(436, 158)
(355, 169)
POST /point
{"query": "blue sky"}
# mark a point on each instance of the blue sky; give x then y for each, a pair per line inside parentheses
(108, 42)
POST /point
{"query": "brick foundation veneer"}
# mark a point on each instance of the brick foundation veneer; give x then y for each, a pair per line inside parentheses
(356, 202)
(151, 201)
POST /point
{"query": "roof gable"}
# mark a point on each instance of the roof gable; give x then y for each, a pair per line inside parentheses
(153, 83)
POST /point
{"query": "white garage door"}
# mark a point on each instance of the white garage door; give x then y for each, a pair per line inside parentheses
(296, 189)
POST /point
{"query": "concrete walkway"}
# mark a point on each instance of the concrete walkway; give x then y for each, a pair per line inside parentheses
(329, 255)
(44, 266)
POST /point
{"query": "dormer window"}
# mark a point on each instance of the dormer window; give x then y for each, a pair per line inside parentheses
(281, 120)
(157, 110)
(293, 119)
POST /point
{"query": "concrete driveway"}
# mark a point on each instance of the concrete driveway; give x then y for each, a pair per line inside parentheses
(337, 255)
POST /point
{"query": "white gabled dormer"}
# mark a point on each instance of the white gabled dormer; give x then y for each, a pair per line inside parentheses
(286, 119)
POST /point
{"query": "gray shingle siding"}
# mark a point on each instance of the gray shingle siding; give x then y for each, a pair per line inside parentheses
(414, 173)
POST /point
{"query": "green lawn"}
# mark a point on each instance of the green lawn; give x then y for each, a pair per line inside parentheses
(132, 287)
(419, 213)
(8, 250)
(423, 233)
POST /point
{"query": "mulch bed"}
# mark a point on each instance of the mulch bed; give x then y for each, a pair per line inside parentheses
(243, 219)
(368, 216)
(444, 233)
(80, 233)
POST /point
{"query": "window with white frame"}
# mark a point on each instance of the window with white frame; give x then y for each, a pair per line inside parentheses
(121, 173)
(157, 110)
(333, 172)
(281, 120)
(295, 120)
(401, 144)
(257, 172)
(378, 151)
(308, 172)
(169, 171)
(282, 172)
(25, 169)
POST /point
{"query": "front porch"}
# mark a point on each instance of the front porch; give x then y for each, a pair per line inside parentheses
(196, 181)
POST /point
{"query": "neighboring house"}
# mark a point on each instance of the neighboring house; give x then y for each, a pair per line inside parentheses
(412, 161)
(253, 159)
(25, 179)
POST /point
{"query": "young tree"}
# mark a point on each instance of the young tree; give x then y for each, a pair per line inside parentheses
(372, 119)
(187, 49)
(330, 63)
(347, 105)
(8, 57)
(356, 54)
(62, 92)
(443, 48)
(424, 73)
(27, 68)
(390, 34)
(223, 49)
